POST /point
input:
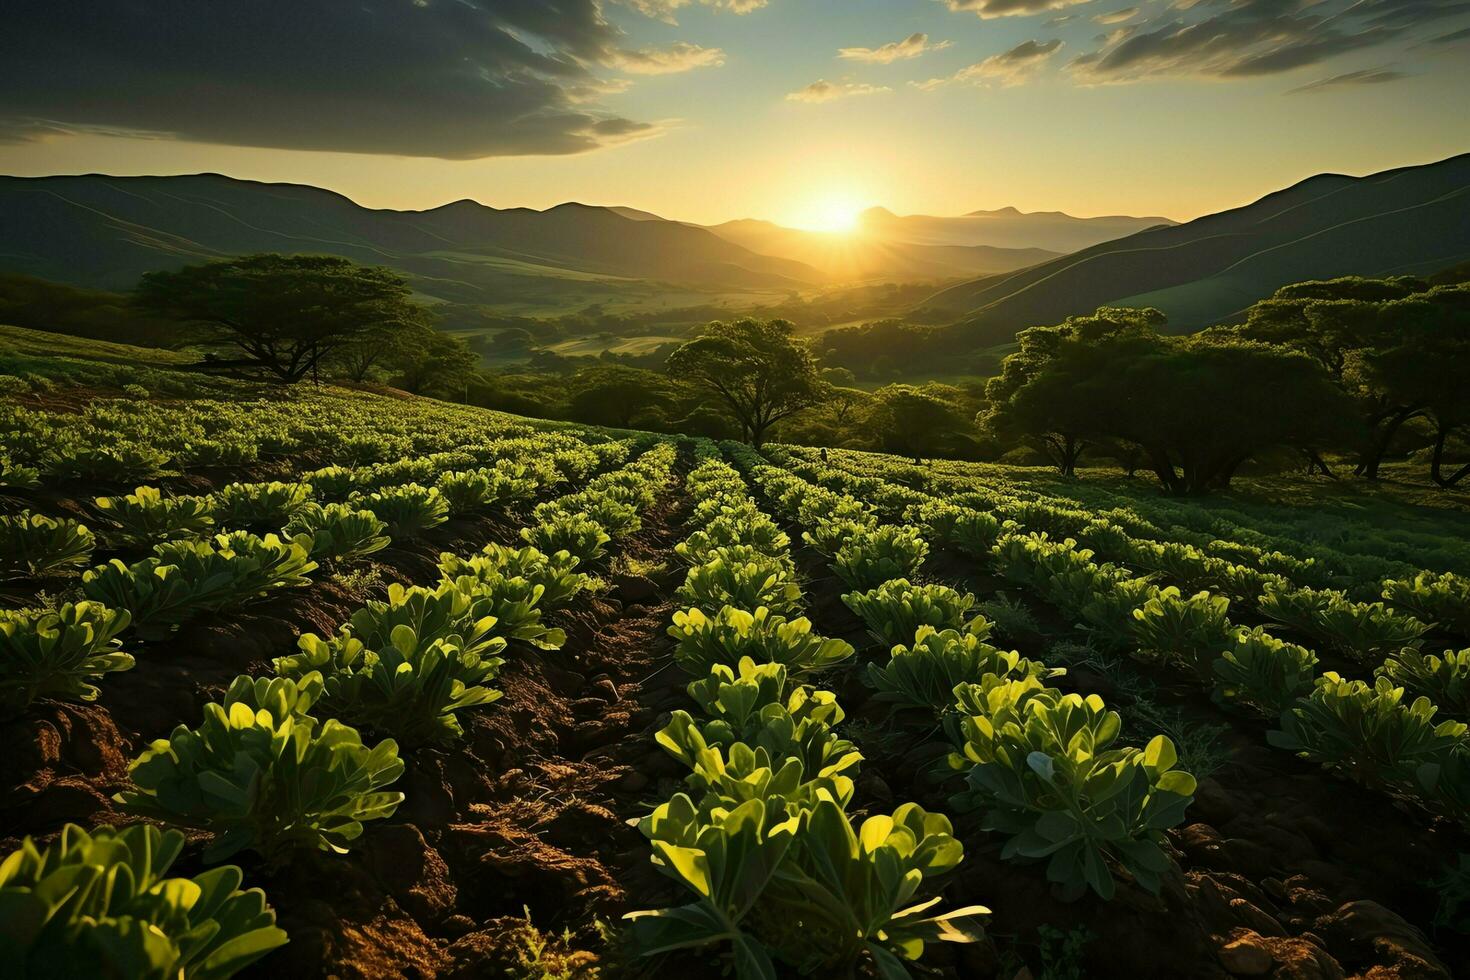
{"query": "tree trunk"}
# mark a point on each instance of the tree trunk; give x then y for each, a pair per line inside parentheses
(1368, 466)
(1435, 466)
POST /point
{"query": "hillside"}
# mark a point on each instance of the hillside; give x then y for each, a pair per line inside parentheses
(1006, 228)
(105, 232)
(874, 254)
(1403, 221)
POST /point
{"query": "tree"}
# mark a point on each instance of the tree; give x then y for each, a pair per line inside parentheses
(1054, 401)
(758, 369)
(382, 349)
(918, 421)
(615, 395)
(286, 312)
(436, 364)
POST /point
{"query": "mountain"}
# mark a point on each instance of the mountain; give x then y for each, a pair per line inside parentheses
(864, 255)
(1006, 228)
(105, 232)
(1399, 222)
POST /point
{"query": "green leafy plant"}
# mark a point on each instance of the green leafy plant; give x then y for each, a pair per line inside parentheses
(1442, 599)
(1260, 670)
(705, 641)
(34, 545)
(186, 578)
(516, 605)
(1043, 772)
(146, 517)
(871, 558)
(924, 674)
(258, 506)
(896, 609)
(440, 613)
(408, 510)
(748, 527)
(260, 773)
(576, 534)
(1365, 731)
(828, 536)
(1444, 680)
(405, 688)
(742, 577)
(122, 463)
(1361, 630)
(474, 491)
(1171, 627)
(102, 904)
(332, 484)
(59, 654)
(339, 532)
(1108, 614)
(555, 573)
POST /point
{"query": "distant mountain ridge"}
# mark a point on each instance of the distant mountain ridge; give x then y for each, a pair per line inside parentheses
(1410, 220)
(1052, 231)
(105, 232)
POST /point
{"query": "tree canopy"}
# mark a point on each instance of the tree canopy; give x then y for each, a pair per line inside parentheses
(285, 312)
(758, 370)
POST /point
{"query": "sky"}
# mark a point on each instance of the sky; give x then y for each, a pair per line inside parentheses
(797, 111)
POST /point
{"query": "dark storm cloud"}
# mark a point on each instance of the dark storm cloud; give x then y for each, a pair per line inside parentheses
(1247, 38)
(457, 79)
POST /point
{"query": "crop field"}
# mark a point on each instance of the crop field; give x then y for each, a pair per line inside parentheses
(318, 682)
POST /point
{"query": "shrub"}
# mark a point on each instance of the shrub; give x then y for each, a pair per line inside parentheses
(34, 544)
(742, 577)
(576, 534)
(262, 774)
(1042, 771)
(1445, 680)
(59, 654)
(555, 573)
(1260, 670)
(408, 510)
(723, 639)
(146, 517)
(924, 673)
(873, 557)
(258, 506)
(101, 904)
(896, 609)
(1365, 731)
(405, 688)
(185, 578)
(339, 532)
(1440, 599)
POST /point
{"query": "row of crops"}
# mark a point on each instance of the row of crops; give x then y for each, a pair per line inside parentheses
(281, 762)
(1399, 725)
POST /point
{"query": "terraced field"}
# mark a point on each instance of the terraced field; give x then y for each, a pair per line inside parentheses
(333, 684)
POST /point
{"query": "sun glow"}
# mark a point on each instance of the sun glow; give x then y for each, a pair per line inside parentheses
(837, 214)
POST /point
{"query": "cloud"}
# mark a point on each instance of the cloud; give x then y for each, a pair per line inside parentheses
(1116, 17)
(1008, 8)
(1005, 69)
(677, 57)
(1251, 38)
(910, 47)
(1368, 76)
(824, 91)
(1058, 20)
(664, 10)
(455, 79)
(1450, 38)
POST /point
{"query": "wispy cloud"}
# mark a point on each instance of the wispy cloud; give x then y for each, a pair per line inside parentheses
(1007, 68)
(1368, 76)
(665, 10)
(1008, 8)
(910, 47)
(677, 57)
(824, 91)
(1116, 16)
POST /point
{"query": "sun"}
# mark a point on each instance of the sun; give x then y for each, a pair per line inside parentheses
(835, 214)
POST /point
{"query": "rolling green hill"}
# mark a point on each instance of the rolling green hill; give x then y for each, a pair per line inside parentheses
(105, 232)
(1399, 222)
